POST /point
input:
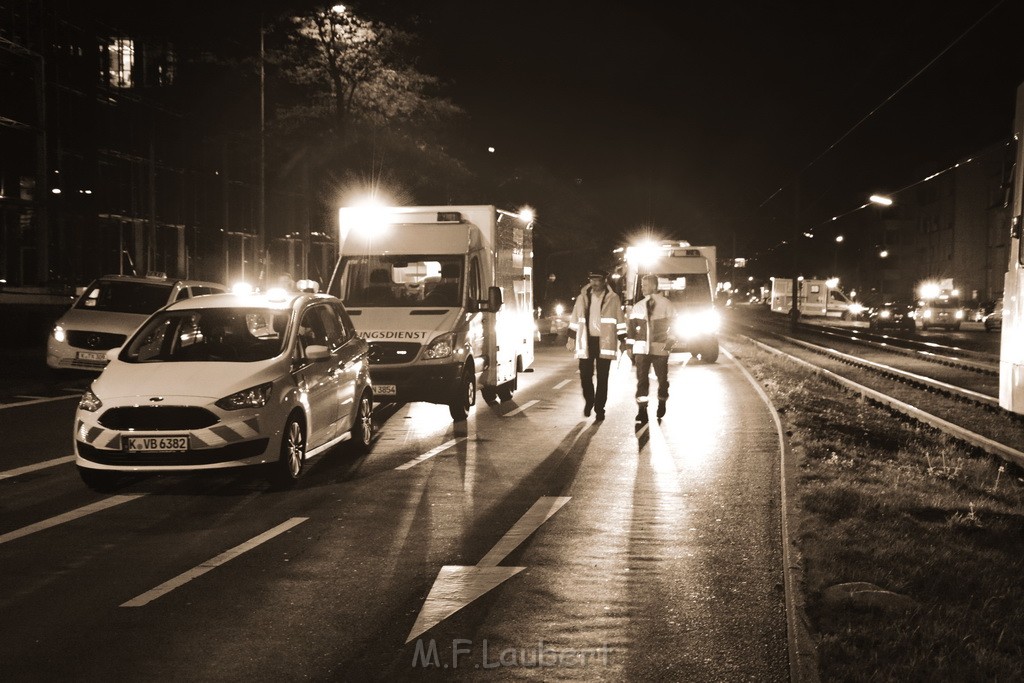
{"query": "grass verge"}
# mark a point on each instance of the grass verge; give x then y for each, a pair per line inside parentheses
(935, 525)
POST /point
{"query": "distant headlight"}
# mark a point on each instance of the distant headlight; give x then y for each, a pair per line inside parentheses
(440, 347)
(959, 314)
(856, 309)
(927, 313)
(885, 314)
(253, 397)
(696, 324)
(58, 334)
(89, 402)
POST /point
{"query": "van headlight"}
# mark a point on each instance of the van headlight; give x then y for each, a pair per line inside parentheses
(253, 397)
(89, 402)
(441, 347)
(959, 314)
(696, 324)
(58, 334)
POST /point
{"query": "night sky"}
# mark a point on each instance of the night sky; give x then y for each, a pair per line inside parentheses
(691, 116)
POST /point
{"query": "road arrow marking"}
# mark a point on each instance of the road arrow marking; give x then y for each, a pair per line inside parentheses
(456, 586)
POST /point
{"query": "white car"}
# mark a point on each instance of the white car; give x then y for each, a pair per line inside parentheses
(228, 380)
(110, 309)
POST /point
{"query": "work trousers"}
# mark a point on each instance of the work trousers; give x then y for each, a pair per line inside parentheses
(587, 367)
(644, 362)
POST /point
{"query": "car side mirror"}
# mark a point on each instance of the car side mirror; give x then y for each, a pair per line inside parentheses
(316, 352)
(113, 353)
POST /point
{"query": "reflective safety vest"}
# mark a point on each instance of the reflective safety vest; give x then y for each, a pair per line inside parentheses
(650, 322)
(613, 323)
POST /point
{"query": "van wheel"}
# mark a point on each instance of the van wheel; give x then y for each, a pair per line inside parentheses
(506, 389)
(490, 395)
(465, 397)
(709, 356)
(290, 462)
(362, 426)
(100, 481)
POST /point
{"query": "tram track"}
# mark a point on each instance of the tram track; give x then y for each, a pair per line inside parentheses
(949, 404)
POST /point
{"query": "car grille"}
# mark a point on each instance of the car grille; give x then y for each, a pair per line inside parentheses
(205, 456)
(384, 353)
(156, 418)
(100, 341)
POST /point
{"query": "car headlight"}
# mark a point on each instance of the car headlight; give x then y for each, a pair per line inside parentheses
(885, 314)
(696, 324)
(253, 397)
(89, 402)
(59, 334)
(440, 347)
(927, 313)
(856, 309)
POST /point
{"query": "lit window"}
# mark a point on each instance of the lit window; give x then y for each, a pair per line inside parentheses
(122, 57)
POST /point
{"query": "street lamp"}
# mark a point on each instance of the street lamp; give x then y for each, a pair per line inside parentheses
(835, 255)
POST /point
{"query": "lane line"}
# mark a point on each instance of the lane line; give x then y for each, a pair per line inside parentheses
(430, 454)
(201, 569)
(41, 400)
(30, 396)
(520, 409)
(38, 466)
(68, 516)
(562, 383)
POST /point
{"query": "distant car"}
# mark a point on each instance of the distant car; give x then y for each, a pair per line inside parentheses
(945, 313)
(228, 380)
(893, 314)
(110, 309)
(994, 320)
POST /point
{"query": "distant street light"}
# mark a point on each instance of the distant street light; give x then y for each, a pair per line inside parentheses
(880, 199)
(884, 253)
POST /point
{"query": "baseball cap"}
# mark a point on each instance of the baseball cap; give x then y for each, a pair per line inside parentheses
(598, 273)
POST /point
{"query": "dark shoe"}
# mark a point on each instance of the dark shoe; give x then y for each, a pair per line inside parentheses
(641, 415)
(587, 408)
(599, 415)
(661, 409)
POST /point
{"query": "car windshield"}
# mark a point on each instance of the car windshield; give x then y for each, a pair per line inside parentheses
(422, 281)
(125, 297)
(209, 334)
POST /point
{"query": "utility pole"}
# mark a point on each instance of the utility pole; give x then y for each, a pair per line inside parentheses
(261, 211)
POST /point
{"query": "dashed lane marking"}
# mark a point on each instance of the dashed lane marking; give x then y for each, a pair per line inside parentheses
(68, 516)
(430, 454)
(201, 569)
(562, 383)
(520, 408)
(8, 474)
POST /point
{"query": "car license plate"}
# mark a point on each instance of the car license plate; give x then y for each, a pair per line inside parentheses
(91, 355)
(385, 389)
(142, 444)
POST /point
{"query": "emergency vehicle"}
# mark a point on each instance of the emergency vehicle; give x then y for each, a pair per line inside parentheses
(814, 298)
(444, 296)
(687, 275)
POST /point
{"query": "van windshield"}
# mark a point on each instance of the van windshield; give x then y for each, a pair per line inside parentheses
(402, 280)
(125, 297)
(691, 288)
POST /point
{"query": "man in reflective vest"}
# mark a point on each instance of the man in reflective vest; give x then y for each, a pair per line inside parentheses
(650, 323)
(597, 331)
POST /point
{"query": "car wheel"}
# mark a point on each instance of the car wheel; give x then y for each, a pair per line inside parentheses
(362, 428)
(290, 462)
(465, 397)
(100, 481)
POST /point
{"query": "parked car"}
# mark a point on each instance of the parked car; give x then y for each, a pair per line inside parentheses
(110, 309)
(893, 314)
(228, 380)
(994, 320)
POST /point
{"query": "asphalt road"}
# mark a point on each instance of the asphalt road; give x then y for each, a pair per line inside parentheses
(527, 543)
